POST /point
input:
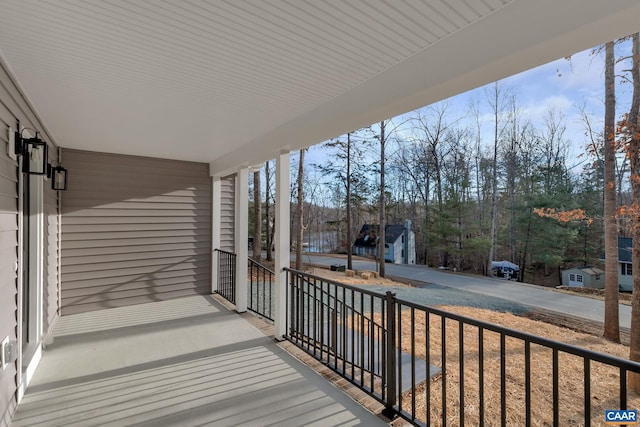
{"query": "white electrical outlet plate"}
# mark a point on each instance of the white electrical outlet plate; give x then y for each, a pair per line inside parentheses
(11, 147)
(3, 345)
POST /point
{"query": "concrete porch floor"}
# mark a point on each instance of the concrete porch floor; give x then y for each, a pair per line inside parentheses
(184, 362)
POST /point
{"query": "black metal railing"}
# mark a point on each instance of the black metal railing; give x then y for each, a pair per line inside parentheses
(227, 275)
(433, 367)
(334, 323)
(261, 290)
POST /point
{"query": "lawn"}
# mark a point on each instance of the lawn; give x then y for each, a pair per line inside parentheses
(605, 381)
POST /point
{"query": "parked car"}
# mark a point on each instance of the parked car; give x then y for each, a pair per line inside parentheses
(505, 269)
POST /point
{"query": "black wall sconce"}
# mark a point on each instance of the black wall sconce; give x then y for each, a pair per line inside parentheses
(34, 152)
(59, 178)
(35, 156)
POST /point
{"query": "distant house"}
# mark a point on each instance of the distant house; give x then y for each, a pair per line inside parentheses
(583, 277)
(625, 270)
(399, 247)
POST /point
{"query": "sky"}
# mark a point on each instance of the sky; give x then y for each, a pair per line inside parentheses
(567, 85)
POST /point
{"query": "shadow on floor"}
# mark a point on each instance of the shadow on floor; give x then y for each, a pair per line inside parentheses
(151, 366)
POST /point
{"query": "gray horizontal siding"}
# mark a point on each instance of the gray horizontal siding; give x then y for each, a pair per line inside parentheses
(134, 230)
(227, 213)
(51, 247)
(8, 249)
(14, 108)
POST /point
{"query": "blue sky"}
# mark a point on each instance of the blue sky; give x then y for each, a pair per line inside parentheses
(567, 85)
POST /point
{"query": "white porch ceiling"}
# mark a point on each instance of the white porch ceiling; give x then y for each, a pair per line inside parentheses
(236, 82)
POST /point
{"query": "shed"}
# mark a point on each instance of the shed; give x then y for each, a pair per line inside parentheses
(583, 277)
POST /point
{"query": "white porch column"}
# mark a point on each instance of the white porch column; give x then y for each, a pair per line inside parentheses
(282, 254)
(216, 199)
(242, 238)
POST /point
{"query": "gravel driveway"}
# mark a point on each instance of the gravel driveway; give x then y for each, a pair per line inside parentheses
(434, 295)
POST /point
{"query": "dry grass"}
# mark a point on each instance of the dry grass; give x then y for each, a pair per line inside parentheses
(341, 277)
(604, 380)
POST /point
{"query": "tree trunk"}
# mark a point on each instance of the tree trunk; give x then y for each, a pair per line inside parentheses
(634, 163)
(267, 218)
(381, 234)
(300, 210)
(257, 218)
(494, 186)
(611, 316)
(349, 234)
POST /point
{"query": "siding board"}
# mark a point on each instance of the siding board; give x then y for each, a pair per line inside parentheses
(98, 220)
(80, 306)
(78, 273)
(78, 260)
(123, 243)
(134, 278)
(134, 230)
(14, 108)
(136, 288)
(227, 213)
(51, 248)
(135, 249)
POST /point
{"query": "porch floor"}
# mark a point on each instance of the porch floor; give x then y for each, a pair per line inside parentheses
(186, 362)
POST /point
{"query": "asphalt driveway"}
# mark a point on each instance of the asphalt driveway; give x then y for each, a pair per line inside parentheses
(482, 292)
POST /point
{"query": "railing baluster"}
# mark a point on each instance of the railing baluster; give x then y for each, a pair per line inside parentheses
(372, 348)
(428, 366)
(503, 381)
(587, 392)
(413, 363)
(362, 332)
(443, 356)
(352, 347)
(343, 322)
(556, 391)
(461, 366)
(623, 388)
(481, 375)
(527, 383)
(397, 349)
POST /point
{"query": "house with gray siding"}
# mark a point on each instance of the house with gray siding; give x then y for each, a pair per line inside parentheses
(158, 113)
(625, 268)
(399, 247)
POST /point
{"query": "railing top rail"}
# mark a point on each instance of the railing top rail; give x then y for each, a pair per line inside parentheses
(333, 282)
(535, 339)
(224, 252)
(254, 262)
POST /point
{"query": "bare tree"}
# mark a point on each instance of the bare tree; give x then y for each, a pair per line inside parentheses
(257, 217)
(300, 211)
(381, 234)
(495, 100)
(267, 206)
(611, 315)
(348, 184)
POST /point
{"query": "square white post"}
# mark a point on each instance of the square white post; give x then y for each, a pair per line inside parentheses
(242, 238)
(216, 212)
(282, 253)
